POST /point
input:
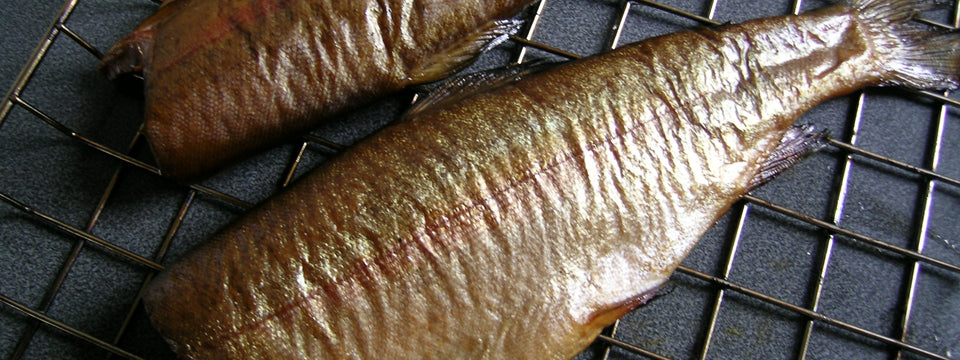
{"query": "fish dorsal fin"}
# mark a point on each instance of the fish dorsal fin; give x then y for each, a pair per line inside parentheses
(462, 53)
(460, 87)
(796, 144)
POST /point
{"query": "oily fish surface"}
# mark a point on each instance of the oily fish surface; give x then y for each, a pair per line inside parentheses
(225, 78)
(514, 223)
(477, 234)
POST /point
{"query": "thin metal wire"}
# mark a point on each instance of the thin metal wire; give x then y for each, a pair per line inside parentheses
(826, 253)
(837, 210)
(896, 163)
(929, 188)
(161, 253)
(631, 348)
(81, 234)
(83, 43)
(534, 21)
(618, 29)
(26, 310)
(727, 269)
(71, 259)
(292, 168)
(544, 47)
(680, 12)
(13, 98)
(31, 67)
(810, 314)
(324, 142)
(120, 155)
(921, 236)
(880, 245)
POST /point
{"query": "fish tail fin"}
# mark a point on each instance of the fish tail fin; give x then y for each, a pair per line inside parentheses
(928, 61)
(915, 55)
(125, 57)
(130, 54)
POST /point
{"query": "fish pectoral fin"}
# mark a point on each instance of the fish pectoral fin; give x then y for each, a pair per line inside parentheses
(461, 87)
(463, 52)
(798, 142)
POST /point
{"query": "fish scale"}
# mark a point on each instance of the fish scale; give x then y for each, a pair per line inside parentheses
(516, 221)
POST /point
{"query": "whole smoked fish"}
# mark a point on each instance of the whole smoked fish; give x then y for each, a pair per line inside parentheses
(517, 220)
(225, 78)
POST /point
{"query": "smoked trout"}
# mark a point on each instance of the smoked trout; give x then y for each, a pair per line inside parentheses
(516, 220)
(225, 78)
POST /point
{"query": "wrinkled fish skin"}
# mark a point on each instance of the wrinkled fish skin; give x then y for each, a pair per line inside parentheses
(517, 222)
(224, 78)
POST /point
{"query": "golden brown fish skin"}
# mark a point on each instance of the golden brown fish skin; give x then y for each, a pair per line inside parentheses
(225, 78)
(516, 223)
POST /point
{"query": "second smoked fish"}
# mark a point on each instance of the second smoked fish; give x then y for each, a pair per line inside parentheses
(225, 78)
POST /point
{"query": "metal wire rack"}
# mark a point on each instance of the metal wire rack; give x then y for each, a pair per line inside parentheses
(851, 254)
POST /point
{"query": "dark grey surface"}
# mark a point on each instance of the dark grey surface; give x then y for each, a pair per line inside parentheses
(777, 255)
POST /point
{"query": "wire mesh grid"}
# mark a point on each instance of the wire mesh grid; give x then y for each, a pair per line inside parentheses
(851, 254)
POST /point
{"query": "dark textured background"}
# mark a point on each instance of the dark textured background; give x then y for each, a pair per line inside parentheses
(776, 255)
